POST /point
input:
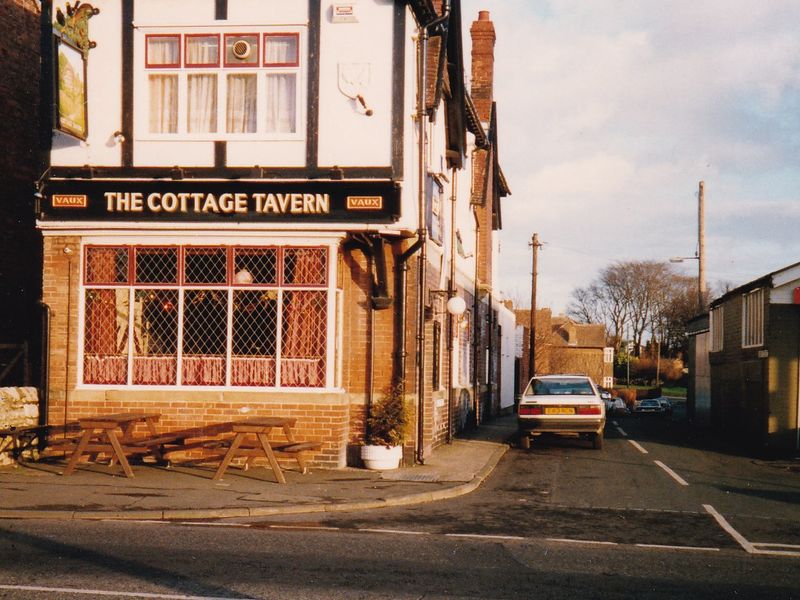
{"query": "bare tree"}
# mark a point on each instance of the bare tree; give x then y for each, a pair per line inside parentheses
(642, 298)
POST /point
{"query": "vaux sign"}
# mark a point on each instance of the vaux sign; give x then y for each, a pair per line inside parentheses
(252, 201)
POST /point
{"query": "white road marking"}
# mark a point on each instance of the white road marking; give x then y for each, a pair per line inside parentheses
(622, 433)
(748, 547)
(777, 552)
(397, 531)
(570, 541)
(638, 446)
(90, 592)
(304, 527)
(769, 545)
(484, 537)
(671, 473)
(215, 524)
(668, 547)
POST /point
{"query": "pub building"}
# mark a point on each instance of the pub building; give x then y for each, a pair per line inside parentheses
(240, 218)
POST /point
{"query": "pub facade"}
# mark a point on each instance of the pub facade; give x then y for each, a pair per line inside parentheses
(240, 216)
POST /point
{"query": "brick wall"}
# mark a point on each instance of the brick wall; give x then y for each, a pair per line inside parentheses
(19, 89)
(483, 39)
(20, 251)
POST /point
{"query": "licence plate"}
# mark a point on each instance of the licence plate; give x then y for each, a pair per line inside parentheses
(559, 410)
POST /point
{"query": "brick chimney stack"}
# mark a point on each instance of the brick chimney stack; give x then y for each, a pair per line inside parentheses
(483, 38)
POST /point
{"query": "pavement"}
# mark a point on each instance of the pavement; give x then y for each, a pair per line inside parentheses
(37, 490)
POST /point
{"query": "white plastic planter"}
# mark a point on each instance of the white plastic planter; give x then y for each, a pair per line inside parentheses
(381, 458)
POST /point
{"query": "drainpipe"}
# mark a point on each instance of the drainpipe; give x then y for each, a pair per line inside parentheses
(451, 290)
(475, 321)
(68, 253)
(422, 113)
(489, 356)
(44, 381)
(422, 258)
(400, 294)
(372, 248)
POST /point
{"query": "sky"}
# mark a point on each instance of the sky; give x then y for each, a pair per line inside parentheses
(610, 113)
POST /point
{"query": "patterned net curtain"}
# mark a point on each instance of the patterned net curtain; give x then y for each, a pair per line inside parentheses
(106, 317)
(305, 314)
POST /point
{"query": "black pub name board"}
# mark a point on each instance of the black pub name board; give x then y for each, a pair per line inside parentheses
(208, 201)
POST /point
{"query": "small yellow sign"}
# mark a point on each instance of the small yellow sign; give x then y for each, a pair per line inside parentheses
(364, 202)
(70, 201)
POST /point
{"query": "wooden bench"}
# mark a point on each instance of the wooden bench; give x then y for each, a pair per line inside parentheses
(242, 444)
(113, 435)
(19, 439)
(252, 449)
(182, 440)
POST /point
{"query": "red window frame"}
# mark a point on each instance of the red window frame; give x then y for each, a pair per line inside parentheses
(296, 62)
(199, 250)
(234, 250)
(136, 249)
(160, 65)
(86, 251)
(242, 65)
(282, 267)
(220, 50)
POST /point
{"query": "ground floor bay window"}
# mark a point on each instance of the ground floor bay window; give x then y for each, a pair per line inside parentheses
(206, 315)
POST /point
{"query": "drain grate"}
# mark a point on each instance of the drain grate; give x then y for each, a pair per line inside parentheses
(418, 477)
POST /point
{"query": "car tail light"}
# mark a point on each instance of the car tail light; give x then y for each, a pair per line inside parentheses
(530, 410)
(589, 410)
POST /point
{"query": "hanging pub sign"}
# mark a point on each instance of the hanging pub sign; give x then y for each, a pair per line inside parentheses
(72, 47)
(70, 106)
(208, 201)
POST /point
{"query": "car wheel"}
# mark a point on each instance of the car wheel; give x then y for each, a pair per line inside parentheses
(597, 441)
(525, 441)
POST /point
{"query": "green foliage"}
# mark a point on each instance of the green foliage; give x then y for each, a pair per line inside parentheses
(388, 419)
(679, 392)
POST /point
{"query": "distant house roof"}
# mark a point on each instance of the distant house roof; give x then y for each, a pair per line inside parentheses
(564, 330)
(582, 335)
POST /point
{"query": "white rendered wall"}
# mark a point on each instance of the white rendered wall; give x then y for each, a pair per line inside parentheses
(104, 82)
(507, 322)
(347, 136)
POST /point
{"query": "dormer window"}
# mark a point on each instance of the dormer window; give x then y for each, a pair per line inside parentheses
(223, 85)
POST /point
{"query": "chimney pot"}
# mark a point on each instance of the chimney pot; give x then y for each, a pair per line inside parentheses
(483, 15)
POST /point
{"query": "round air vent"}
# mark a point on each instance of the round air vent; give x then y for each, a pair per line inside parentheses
(241, 49)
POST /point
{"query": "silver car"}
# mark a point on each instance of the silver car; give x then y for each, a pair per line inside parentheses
(568, 404)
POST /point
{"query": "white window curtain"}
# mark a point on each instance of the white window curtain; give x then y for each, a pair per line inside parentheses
(202, 104)
(163, 103)
(280, 49)
(202, 50)
(163, 50)
(241, 109)
(281, 103)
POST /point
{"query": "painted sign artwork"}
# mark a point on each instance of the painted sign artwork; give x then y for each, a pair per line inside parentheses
(71, 106)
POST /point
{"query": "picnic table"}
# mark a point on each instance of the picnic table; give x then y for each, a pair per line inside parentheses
(16, 440)
(99, 434)
(260, 428)
(113, 435)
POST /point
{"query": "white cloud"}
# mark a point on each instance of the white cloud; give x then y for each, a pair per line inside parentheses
(611, 112)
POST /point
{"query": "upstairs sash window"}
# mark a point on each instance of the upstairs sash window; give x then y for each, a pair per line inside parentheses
(223, 85)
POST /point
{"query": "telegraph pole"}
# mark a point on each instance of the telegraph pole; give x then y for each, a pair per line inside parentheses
(534, 243)
(701, 248)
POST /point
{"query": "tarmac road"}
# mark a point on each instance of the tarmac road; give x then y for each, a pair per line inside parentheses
(662, 511)
(94, 559)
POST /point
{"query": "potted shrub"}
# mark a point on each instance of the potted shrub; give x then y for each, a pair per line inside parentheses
(386, 428)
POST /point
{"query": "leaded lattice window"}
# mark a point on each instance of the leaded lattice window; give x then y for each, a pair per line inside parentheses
(206, 316)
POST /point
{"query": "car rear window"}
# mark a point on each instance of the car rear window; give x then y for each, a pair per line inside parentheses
(559, 387)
